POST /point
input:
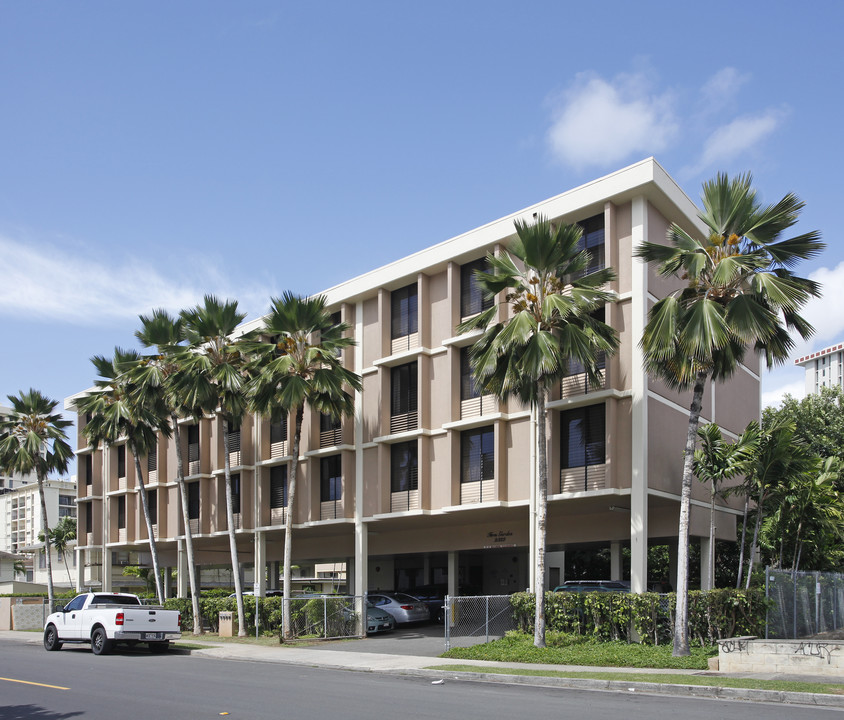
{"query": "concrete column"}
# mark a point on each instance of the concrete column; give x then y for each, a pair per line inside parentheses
(707, 571)
(260, 569)
(361, 559)
(639, 382)
(182, 573)
(615, 561)
(80, 569)
(426, 570)
(453, 560)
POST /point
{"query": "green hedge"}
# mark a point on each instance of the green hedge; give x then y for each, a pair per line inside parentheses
(612, 616)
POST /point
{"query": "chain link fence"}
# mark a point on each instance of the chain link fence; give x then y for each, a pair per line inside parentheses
(474, 619)
(327, 617)
(803, 603)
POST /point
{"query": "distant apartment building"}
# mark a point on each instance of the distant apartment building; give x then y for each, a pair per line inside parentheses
(430, 481)
(824, 368)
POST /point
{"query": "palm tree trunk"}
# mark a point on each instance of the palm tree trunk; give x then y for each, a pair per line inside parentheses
(288, 525)
(743, 535)
(153, 546)
(755, 539)
(681, 621)
(67, 570)
(711, 553)
(541, 514)
(183, 493)
(238, 586)
(45, 525)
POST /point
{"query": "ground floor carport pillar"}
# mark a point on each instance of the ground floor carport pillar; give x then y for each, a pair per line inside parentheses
(259, 573)
(453, 563)
(615, 560)
(182, 570)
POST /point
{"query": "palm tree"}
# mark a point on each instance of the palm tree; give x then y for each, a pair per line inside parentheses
(214, 380)
(60, 536)
(299, 364)
(716, 461)
(118, 411)
(551, 320)
(741, 294)
(157, 374)
(33, 440)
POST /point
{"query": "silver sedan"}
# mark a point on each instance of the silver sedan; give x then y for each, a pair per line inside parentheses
(403, 608)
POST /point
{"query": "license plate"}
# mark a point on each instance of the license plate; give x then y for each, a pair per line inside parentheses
(152, 636)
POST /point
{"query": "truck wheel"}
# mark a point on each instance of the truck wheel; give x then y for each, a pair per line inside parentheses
(51, 638)
(100, 644)
(156, 648)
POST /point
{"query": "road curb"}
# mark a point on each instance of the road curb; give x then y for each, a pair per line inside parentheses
(648, 688)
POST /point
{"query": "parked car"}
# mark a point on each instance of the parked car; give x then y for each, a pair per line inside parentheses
(434, 598)
(268, 593)
(376, 619)
(404, 608)
(593, 586)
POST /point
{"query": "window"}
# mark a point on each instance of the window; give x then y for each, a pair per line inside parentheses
(121, 461)
(278, 486)
(403, 394)
(583, 437)
(152, 458)
(193, 501)
(404, 475)
(89, 469)
(278, 431)
(121, 512)
(67, 506)
(404, 312)
(233, 435)
(330, 431)
(236, 493)
(89, 517)
(477, 455)
(468, 389)
(592, 240)
(472, 299)
(331, 479)
(193, 443)
(152, 504)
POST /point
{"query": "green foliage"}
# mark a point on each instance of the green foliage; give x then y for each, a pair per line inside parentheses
(563, 649)
(608, 617)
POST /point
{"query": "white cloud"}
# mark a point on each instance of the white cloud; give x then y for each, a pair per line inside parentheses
(774, 389)
(48, 283)
(721, 88)
(601, 123)
(736, 138)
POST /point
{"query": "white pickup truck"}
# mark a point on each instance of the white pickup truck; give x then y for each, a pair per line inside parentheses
(104, 619)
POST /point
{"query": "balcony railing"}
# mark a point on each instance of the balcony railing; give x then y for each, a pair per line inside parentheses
(578, 384)
(330, 438)
(330, 509)
(194, 526)
(122, 483)
(278, 516)
(405, 342)
(403, 422)
(122, 535)
(476, 492)
(583, 479)
(475, 407)
(278, 449)
(404, 500)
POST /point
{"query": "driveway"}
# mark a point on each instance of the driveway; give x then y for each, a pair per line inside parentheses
(424, 640)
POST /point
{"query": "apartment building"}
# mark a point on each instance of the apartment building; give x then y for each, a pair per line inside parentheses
(431, 482)
(824, 368)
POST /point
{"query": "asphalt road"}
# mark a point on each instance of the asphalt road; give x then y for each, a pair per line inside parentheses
(74, 683)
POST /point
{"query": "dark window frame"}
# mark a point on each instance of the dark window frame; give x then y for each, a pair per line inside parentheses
(472, 299)
(404, 466)
(477, 454)
(331, 478)
(583, 437)
(404, 311)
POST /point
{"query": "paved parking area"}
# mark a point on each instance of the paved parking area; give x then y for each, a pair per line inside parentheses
(427, 640)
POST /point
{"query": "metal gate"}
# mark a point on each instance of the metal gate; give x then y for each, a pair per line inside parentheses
(474, 619)
(803, 603)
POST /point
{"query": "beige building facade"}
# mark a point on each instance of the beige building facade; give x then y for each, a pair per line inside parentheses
(430, 482)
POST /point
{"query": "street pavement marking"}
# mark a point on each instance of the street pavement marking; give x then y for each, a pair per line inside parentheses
(27, 682)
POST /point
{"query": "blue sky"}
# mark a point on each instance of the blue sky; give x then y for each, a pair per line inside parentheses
(151, 152)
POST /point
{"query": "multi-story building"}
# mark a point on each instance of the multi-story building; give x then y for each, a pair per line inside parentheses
(431, 482)
(824, 368)
(21, 523)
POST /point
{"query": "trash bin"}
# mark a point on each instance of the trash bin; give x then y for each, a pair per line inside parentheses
(227, 624)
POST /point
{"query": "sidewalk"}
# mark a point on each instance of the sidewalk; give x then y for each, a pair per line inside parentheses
(416, 665)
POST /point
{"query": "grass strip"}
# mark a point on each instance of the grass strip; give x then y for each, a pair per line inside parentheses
(576, 650)
(702, 680)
